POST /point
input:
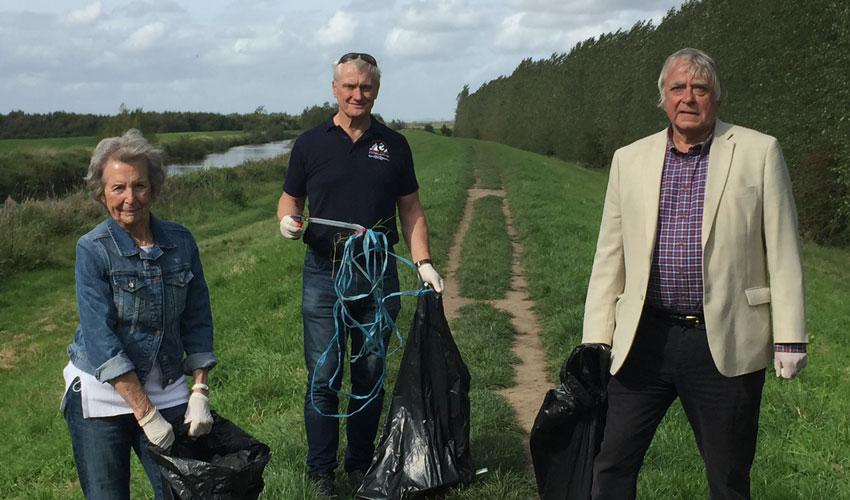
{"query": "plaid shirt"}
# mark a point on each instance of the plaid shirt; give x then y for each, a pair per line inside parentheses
(675, 280)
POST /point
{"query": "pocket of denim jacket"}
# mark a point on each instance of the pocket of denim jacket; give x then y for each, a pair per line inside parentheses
(179, 278)
(127, 282)
(130, 298)
(177, 282)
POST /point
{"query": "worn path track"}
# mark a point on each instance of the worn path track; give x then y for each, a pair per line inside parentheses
(531, 384)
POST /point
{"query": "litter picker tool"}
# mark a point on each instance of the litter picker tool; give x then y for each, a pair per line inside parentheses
(357, 228)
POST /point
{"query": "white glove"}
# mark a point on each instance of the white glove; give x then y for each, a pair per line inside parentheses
(430, 276)
(198, 415)
(157, 429)
(788, 364)
(290, 227)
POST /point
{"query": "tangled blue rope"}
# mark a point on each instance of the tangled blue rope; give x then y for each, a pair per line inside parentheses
(365, 253)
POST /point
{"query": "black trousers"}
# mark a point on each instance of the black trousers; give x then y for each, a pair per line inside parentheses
(667, 361)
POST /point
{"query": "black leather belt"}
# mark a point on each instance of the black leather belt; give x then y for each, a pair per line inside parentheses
(688, 320)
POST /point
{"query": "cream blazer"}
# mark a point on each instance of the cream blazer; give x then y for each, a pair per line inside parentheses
(751, 260)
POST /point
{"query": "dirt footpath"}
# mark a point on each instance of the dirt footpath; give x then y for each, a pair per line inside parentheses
(531, 384)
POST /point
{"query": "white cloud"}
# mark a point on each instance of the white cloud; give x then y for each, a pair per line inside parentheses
(429, 28)
(555, 26)
(144, 37)
(104, 59)
(258, 45)
(404, 42)
(152, 8)
(593, 7)
(339, 29)
(442, 15)
(75, 87)
(245, 47)
(519, 32)
(372, 5)
(85, 15)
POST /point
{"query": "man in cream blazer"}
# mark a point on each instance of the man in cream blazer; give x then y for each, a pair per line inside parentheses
(697, 284)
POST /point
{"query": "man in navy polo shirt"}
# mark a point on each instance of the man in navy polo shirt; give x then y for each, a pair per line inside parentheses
(353, 169)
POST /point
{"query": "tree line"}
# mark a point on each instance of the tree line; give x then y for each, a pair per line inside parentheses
(783, 66)
(21, 125)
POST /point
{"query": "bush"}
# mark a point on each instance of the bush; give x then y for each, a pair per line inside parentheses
(30, 226)
(819, 195)
(42, 172)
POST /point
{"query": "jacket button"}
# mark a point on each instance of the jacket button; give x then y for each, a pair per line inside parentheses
(171, 380)
(165, 357)
(156, 332)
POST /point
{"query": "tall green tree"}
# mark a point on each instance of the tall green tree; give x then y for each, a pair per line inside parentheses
(783, 64)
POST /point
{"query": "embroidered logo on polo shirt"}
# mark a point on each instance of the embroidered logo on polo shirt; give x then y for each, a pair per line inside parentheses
(379, 151)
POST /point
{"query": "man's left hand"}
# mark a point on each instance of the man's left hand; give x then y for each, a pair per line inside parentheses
(431, 277)
(198, 415)
(788, 364)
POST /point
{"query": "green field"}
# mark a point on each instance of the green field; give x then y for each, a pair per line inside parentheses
(254, 279)
(51, 143)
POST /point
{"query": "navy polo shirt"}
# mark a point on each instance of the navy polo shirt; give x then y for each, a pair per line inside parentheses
(350, 182)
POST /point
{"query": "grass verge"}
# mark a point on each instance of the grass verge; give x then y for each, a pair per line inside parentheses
(485, 262)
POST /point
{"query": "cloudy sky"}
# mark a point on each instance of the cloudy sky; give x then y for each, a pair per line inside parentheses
(89, 56)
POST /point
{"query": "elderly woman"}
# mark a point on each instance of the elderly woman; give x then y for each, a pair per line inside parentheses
(143, 305)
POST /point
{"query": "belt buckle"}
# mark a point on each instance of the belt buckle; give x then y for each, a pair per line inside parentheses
(691, 319)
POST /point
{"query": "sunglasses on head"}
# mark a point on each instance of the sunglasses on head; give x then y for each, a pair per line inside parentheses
(351, 56)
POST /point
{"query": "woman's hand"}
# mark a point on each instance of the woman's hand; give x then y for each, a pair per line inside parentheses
(157, 429)
(198, 415)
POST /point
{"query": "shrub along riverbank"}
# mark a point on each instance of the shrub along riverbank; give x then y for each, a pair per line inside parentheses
(254, 279)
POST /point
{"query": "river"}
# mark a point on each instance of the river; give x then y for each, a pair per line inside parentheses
(233, 156)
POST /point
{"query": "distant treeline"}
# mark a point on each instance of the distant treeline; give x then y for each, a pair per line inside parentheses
(784, 66)
(20, 125)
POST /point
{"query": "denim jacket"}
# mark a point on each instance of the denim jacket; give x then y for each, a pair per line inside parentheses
(137, 308)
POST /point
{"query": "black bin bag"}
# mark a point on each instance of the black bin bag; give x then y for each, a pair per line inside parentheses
(424, 445)
(226, 464)
(568, 428)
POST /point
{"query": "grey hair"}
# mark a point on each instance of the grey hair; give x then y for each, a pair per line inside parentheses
(700, 64)
(130, 147)
(361, 65)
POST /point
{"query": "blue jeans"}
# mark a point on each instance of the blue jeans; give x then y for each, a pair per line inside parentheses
(102, 450)
(317, 303)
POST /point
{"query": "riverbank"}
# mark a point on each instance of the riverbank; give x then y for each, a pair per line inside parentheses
(39, 233)
(47, 168)
(234, 156)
